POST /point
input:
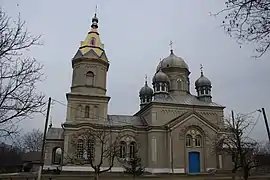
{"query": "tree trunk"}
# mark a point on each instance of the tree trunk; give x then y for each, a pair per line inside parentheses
(246, 173)
(233, 176)
(97, 176)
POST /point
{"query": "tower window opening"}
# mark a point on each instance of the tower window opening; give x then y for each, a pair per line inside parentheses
(163, 88)
(96, 111)
(202, 91)
(179, 84)
(79, 111)
(86, 112)
(158, 87)
(93, 41)
(143, 100)
(90, 78)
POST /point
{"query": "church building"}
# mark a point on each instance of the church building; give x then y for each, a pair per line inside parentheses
(172, 128)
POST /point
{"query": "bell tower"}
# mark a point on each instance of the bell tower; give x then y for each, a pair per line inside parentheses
(87, 101)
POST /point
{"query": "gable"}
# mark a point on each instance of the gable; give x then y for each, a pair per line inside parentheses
(187, 116)
(78, 54)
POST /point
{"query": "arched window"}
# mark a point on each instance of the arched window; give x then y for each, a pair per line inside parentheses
(57, 155)
(202, 91)
(163, 87)
(93, 41)
(188, 140)
(90, 78)
(132, 149)
(79, 111)
(91, 150)
(86, 112)
(123, 149)
(158, 87)
(198, 141)
(80, 149)
(96, 111)
(173, 84)
(179, 84)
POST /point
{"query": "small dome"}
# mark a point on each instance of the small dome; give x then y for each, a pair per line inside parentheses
(202, 81)
(161, 77)
(146, 90)
(172, 61)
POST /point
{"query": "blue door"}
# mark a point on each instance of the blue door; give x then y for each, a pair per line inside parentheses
(194, 162)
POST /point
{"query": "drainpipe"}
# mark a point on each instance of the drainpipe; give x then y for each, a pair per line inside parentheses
(171, 150)
(171, 147)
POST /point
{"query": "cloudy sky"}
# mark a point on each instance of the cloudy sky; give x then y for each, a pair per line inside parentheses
(136, 35)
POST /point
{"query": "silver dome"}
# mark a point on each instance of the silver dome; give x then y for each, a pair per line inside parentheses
(160, 77)
(202, 81)
(146, 90)
(172, 61)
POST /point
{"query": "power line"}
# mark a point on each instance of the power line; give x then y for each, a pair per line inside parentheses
(259, 115)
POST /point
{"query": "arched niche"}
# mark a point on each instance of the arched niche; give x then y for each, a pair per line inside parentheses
(57, 155)
(90, 78)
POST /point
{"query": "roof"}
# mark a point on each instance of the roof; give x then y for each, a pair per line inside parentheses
(55, 134)
(31, 156)
(187, 99)
(121, 120)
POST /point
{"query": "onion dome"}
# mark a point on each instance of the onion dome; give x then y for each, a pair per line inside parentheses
(146, 90)
(203, 87)
(202, 81)
(145, 94)
(172, 61)
(160, 77)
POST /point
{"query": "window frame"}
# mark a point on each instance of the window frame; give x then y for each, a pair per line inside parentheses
(188, 140)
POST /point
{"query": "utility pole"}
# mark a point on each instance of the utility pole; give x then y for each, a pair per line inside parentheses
(233, 121)
(266, 124)
(44, 139)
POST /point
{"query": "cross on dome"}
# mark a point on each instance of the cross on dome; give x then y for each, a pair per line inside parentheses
(96, 10)
(201, 67)
(171, 45)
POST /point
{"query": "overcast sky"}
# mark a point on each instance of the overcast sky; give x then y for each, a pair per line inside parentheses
(136, 35)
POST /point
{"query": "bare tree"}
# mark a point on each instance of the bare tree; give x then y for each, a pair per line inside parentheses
(133, 164)
(97, 147)
(32, 141)
(236, 143)
(19, 75)
(248, 21)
